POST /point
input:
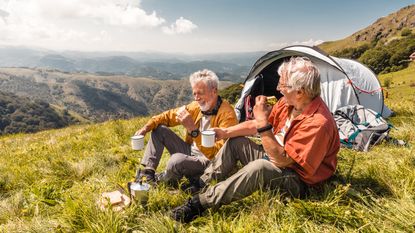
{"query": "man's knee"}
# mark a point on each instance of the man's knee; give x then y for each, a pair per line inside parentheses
(258, 165)
(175, 162)
(160, 132)
(160, 129)
(274, 178)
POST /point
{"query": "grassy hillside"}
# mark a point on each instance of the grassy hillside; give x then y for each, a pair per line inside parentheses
(384, 30)
(400, 88)
(50, 182)
(384, 46)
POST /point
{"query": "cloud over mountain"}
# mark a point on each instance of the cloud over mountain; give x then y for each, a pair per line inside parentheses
(68, 23)
(181, 26)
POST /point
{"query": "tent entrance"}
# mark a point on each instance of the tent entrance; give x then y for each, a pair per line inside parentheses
(271, 79)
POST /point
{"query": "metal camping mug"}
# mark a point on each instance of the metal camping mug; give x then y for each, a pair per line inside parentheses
(139, 192)
(137, 142)
(208, 138)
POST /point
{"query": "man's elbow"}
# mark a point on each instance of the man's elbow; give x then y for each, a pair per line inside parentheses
(284, 162)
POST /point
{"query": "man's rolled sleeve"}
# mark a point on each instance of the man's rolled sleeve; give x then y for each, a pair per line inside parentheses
(167, 118)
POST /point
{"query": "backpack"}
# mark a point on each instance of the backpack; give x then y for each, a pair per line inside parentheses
(360, 127)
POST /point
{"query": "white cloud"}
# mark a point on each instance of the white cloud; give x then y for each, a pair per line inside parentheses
(86, 25)
(3, 15)
(70, 22)
(113, 12)
(103, 36)
(181, 26)
(310, 42)
(123, 13)
(317, 42)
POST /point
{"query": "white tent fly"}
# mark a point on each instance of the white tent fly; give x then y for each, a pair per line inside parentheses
(343, 81)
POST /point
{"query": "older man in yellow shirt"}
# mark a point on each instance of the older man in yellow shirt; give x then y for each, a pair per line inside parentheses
(188, 157)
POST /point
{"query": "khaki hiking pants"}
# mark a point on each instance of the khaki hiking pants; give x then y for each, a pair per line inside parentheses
(257, 173)
(181, 163)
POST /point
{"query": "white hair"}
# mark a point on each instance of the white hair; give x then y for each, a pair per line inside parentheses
(301, 73)
(206, 76)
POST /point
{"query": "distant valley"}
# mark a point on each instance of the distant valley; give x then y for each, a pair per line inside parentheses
(97, 98)
(111, 85)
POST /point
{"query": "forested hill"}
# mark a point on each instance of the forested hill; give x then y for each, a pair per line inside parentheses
(383, 46)
(21, 114)
(95, 97)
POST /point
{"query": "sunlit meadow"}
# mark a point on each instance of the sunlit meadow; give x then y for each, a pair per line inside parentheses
(50, 182)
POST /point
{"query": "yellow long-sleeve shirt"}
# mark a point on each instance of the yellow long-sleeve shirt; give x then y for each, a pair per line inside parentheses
(224, 118)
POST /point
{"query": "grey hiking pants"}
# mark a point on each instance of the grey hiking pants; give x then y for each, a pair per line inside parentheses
(181, 163)
(257, 173)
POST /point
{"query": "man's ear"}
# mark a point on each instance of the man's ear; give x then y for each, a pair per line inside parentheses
(300, 92)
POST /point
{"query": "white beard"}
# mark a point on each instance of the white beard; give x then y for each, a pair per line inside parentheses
(204, 107)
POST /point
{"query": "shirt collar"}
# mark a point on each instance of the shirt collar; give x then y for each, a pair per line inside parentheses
(310, 109)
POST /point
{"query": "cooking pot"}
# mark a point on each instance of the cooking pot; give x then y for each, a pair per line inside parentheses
(139, 191)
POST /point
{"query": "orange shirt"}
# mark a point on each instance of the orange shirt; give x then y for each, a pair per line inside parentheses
(312, 140)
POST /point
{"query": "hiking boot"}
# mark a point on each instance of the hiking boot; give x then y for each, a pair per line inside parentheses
(149, 175)
(160, 177)
(194, 186)
(189, 211)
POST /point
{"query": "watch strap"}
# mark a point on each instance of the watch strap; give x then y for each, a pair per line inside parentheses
(265, 128)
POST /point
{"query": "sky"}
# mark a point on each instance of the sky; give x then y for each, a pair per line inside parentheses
(184, 26)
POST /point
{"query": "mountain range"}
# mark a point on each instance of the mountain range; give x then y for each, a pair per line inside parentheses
(110, 85)
(96, 97)
(161, 66)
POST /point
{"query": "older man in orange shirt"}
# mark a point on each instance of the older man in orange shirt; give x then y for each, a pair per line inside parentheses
(299, 147)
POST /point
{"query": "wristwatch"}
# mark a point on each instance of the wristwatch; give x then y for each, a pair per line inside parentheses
(264, 129)
(194, 133)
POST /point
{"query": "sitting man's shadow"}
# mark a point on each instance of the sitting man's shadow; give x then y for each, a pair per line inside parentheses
(355, 187)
